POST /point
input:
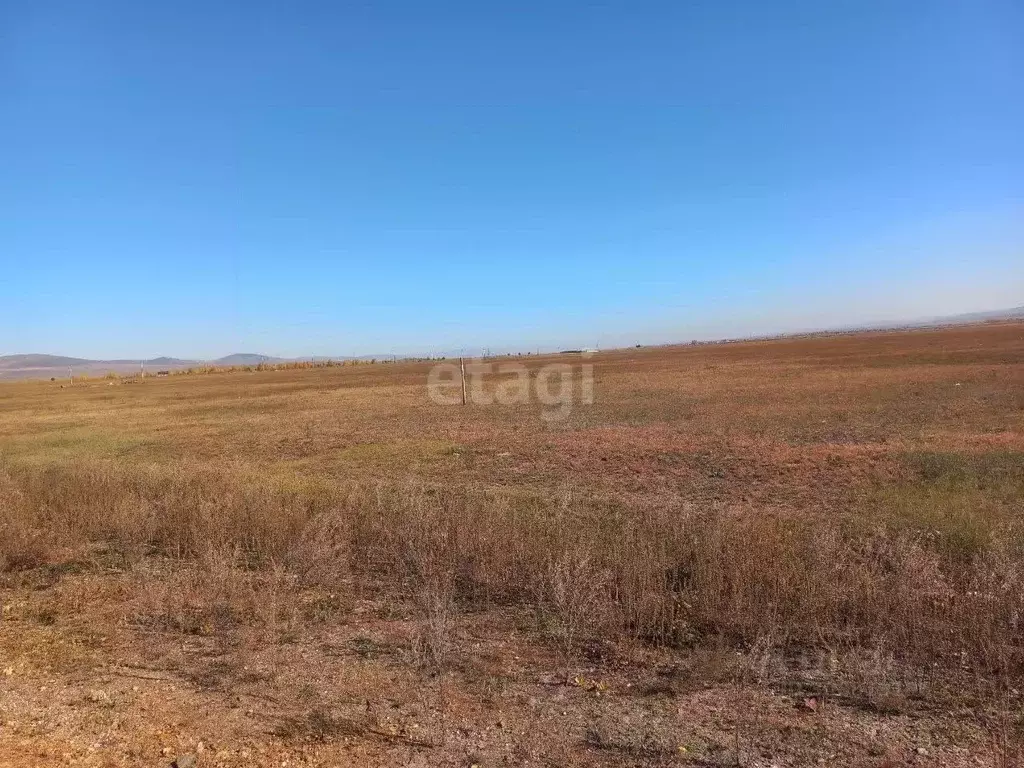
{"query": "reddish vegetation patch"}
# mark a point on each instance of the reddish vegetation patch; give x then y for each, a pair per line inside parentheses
(655, 460)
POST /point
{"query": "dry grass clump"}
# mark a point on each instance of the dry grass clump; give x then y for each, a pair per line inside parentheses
(22, 546)
(572, 599)
(212, 595)
(180, 510)
(591, 570)
(680, 578)
(24, 542)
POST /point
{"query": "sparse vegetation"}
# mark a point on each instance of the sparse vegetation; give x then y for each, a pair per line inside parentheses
(830, 522)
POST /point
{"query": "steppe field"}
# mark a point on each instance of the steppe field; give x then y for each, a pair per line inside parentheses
(805, 551)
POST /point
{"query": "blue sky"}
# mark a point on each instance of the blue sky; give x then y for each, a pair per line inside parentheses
(194, 179)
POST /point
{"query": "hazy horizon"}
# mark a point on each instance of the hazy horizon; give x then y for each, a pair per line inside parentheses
(707, 336)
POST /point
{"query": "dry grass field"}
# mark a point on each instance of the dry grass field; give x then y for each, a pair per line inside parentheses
(791, 552)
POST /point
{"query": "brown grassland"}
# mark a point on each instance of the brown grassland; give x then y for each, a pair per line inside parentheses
(791, 552)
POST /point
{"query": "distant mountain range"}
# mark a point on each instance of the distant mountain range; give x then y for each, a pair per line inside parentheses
(967, 318)
(246, 358)
(46, 366)
(977, 317)
(36, 366)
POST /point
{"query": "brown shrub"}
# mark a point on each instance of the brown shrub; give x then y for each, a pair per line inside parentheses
(23, 543)
(591, 568)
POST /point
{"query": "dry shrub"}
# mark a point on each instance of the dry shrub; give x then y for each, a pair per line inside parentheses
(475, 539)
(436, 609)
(594, 569)
(321, 555)
(214, 595)
(872, 679)
(182, 510)
(24, 544)
(687, 577)
(419, 548)
(573, 599)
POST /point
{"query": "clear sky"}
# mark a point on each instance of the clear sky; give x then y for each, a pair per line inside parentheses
(198, 178)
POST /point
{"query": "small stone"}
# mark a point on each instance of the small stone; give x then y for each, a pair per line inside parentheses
(97, 696)
(185, 761)
(921, 751)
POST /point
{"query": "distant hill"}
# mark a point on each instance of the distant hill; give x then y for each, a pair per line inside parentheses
(56, 366)
(978, 317)
(172, 361)
(32, 362)
(924, 322)
(246, 358)
(37, 366)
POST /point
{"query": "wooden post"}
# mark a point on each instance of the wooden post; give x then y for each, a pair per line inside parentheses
(462, 365)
